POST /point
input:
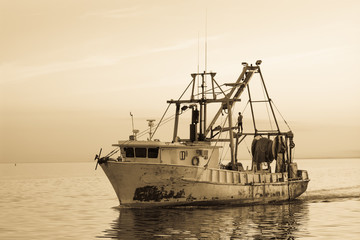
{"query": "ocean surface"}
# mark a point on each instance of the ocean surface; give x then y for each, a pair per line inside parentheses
(73, 201)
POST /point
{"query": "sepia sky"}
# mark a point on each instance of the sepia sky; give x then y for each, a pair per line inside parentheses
(71, 71)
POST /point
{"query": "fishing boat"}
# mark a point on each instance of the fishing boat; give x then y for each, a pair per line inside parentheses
(189, 170)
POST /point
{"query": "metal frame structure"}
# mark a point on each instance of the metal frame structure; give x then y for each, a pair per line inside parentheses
(206, 132)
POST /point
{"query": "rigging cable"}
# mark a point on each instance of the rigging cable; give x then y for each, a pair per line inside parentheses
(227, 149)
(281, 115)
(267, 107)
(245, 106)
(247, 148)
(222, 151)
(157, 126)
(207, 163)
(198, 63)
(211, 89)
(112, 152)
(212, 151)
(146, 131)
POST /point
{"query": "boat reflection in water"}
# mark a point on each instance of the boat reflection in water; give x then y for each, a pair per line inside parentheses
(274, 221)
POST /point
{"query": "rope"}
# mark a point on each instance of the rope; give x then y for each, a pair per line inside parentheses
(185, 90)
(146, 131)
(163, 123)
(281, 115)
(112, 152)
(267, 107)
(211, 89)
(212, 151)
(222, 152)
(246, 106)
(227, 116)
(207, 163)
(247, 148)
(222, 155)
(227, 149)
(157, 126)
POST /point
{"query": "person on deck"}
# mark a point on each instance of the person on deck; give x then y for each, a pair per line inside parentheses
(240, 118)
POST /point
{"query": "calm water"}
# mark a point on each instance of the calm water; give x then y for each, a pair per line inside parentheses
(72, 201)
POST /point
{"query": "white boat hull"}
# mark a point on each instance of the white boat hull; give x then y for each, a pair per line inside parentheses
(152, 185)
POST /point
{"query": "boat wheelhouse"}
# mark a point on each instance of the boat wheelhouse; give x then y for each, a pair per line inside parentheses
(167, 153)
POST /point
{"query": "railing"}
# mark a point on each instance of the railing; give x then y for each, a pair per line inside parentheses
(243, 178)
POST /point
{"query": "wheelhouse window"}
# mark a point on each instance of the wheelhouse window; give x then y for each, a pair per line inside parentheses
(140, 152)
(129, 152)
(153, 152)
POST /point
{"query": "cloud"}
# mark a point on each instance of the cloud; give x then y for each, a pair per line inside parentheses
(116, 13)
(15, 71)
(178, 46)
(314, 54)
(184, 44)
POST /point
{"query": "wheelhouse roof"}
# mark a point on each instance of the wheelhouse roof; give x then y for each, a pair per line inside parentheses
(154, 144)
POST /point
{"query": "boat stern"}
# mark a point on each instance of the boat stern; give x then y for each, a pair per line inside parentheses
(298, 185)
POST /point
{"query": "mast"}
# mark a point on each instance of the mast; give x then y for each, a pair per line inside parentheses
(202, 107)
(231, 135)
(198, 103)
(201, 102)
(176, 124)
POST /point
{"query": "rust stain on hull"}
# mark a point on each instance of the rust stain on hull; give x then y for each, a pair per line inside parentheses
(154, 193)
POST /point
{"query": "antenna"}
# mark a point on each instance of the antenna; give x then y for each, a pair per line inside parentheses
(132, 121)
(198, 59)
(206, 40)
(150, 124)
(135, 131)
(198, 65)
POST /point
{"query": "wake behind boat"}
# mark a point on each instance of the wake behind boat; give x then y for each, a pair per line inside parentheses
(188, 171)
